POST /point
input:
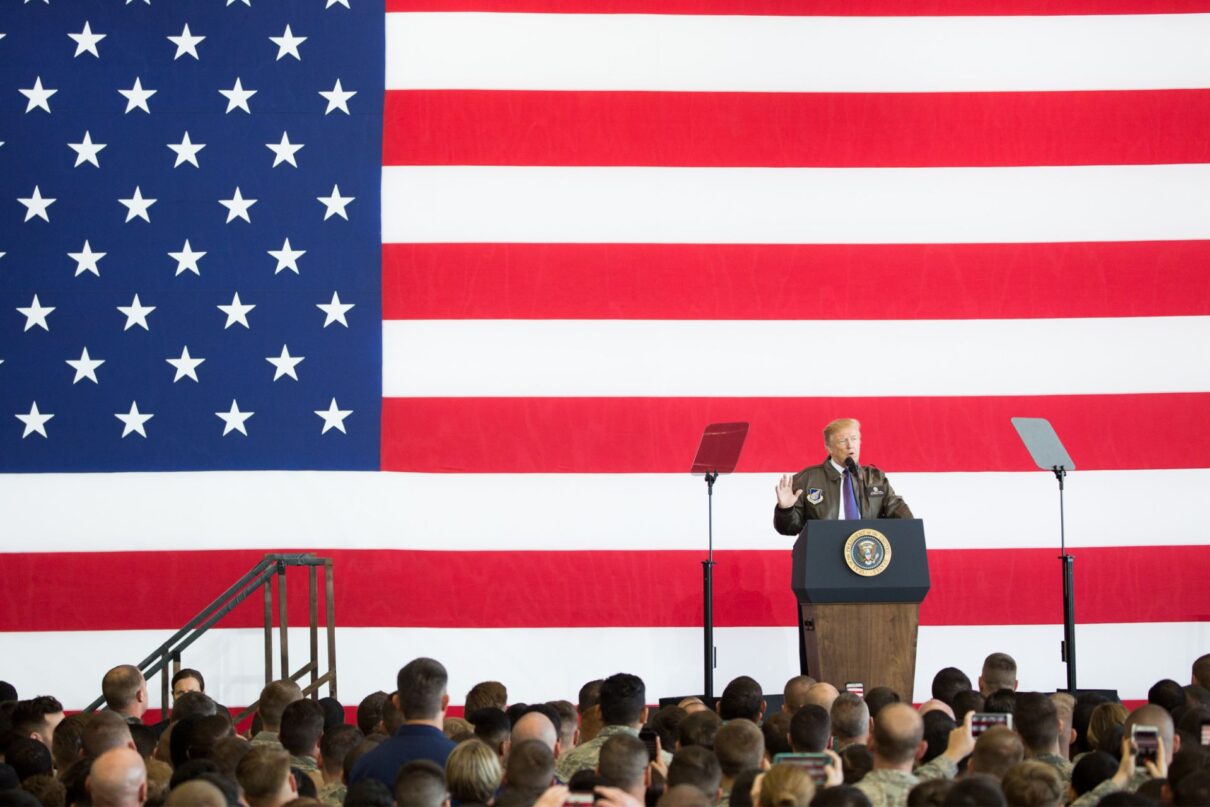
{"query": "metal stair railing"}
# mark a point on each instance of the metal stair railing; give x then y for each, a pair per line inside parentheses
(261, 575)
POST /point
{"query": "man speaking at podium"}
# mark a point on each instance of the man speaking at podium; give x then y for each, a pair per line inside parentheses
(837, 489)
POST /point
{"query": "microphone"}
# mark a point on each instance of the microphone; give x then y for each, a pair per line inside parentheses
(851, 464)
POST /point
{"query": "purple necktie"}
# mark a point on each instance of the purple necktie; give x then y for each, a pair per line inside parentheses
(850, 499)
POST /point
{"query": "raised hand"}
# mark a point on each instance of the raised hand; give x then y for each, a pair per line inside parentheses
(786, 494)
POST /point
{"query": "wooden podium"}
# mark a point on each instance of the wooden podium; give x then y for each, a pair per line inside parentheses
(859, 611)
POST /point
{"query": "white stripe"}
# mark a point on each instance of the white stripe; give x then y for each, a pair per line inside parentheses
(786, 358)
(787, 54)
(795, 205)
(276, 511)
(549, 663)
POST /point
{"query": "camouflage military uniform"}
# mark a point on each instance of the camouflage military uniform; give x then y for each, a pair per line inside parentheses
(268, 738)
(307, 765)
(1060, 764)
(333, 793)
(1092, 797)
(888, 788)
(587, 755)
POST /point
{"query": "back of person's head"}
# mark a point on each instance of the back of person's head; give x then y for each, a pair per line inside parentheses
(589, 695)
(196, 793)
(786, 786)
(193, 703)
(105, 731)
(421, 690)
(975, 790)
(999, 672)
(8, 692)
(36, 718)
(369, 712)
(569, 722)
(302, 724)
(898, 730)
(473, 772)
(1151, 715)
(623, 699)
(1092, 769)
(937, 728)
(335, 745)
(227, 752)
(696, 766)
(75, 780)
(776, 729)
(968, 700)
(1002, 701)
(699, 728)
(1201, 671)
(929, 793)
(369, 793)
(879, 697)
(1036, 720)
(810, 728)
(334, 712)
(274, 699)
(65, 747)
(1167, 694)
(28, 757)
(1192, 790)
(857, 760)
(484, 695)
(738, 745)
(623, 762)
(145, 739)
(823, 694)
(1033, 784)
(491, 726)
(742, 697)
(420, 783)
(531, 766)
(117, 777)
(685, 796)
(1104, 719)
(840, 796)
(206, 733)
(192, 769)
(996, 751)
(947, 683)
(665, 723)
(48, 790)
(1187, 761)
(850, 717)
(794, 694)
(121, 686)
(741, 788)
(264, 774)
(361, 749)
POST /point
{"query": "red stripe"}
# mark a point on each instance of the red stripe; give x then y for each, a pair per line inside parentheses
(924, 434)
(795, 129)
(385, 588)
(843, 8)
(768, 281)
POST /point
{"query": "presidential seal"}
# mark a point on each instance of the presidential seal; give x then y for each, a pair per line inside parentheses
(867, 552)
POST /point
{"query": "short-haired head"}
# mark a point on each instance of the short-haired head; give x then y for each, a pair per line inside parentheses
(117, 777)
(1166, 693)
(569, 721)
(794, 694)
(898, 731)
(369, 712)
(65, 747)
(486, 694)
(1194, 789)
(850, 718)
(623, 700)
(739, 744)
(226, 754)
(1151, 715)
(623, 762)
(530, 767)
(302, 724)
(741, 787)
(999, 672)
(369, 793)
(535, 725)
(948, 682)
(37, 718)
(589, 695)
(786, 786)
(195, 737)
(46, 789)
(1092, 769)
(976, 790)
(1201, 671)
(422, 687)
(744, 698)
(810, 728)
(193, 703)
(699, 728)
(1037, 721)
(1033, 784)
(196, 793)
(491, 726)
(1002, 701)
(473, 772)
(121, 687)
(685, 796)
(929, 792)
(105, 731)
(878, 697)
(696, 766)
(361, 749)
(937, 727)
(420, 783)
(665, 723)
(334, 746)
(264, 774)
(274, 699)
(823, 694)
(776, 729)
(997, 749)
(841, 796)
(28, 757)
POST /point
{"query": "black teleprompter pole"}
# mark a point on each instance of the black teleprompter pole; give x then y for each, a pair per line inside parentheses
(1069, 594)
(708, 661)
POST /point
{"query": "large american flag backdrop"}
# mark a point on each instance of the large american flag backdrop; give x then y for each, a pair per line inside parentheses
(449, 292)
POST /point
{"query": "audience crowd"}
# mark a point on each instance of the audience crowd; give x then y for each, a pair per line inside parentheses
(970, 744)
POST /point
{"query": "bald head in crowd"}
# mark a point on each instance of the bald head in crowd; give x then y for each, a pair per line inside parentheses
(118, 778)
(822, 694)
(898, 733)
(536, 726)
(850, 721)
(795, 693)
(1153, 715)
(125, 691)
(997, 749)
(105, 731)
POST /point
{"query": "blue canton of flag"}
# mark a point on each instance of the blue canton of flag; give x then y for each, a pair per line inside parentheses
(189, 211)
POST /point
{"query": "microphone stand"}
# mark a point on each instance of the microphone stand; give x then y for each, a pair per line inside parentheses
(1069, 595)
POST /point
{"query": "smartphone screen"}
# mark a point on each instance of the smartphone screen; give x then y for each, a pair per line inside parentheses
(815, 764)
(578, 800)
(982, 721)
(855, 687)
(1147, 741)
(648, 736)
(1206, 732)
